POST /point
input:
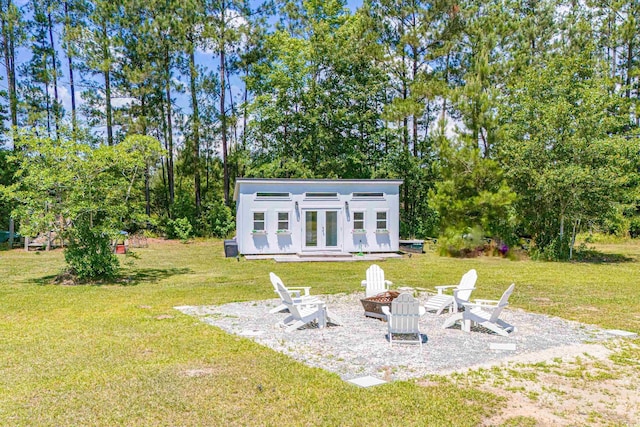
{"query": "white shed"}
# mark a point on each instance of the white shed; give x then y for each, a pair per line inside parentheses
(286, 216)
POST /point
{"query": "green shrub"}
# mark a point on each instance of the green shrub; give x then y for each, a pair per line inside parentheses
(456, 243)
(182, 229)
(616, 224)
(557, 250)
(634, 227)
(217, 219)
(89, 254)
(471, 243)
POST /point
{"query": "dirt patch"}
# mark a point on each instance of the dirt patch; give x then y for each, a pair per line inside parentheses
(198, 372)
(65, 279)
(159, 240)
(596, 389)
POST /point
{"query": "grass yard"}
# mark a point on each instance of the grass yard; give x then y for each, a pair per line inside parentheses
(121, 355)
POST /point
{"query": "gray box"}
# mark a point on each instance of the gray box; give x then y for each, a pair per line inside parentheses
(230, 248)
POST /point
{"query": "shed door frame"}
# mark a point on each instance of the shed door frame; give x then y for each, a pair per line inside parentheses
(322, 229)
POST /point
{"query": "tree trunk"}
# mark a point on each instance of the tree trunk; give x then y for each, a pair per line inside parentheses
(223, 124)
(614, 58)
(11, 232)
(107, 92)
(195, 120)
(629, 67)
(48, 105)
(206, 166)
(446, 83)
(233, 113)
(165, 161)
(9, 62)
(147, 174)
(244, 111)
(576, 226)
(405, 120)
(54, 67)
(8, 47)
(170, 175)
(72, 88)
(414, 116)
(107, 86)
(13, 93)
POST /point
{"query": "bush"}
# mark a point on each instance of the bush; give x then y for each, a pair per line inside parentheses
(182, 229)
(90, 255)
(471, 243)
(464, 244)
(217, 219)
(557, 250)
(634, 227)
(616, 224)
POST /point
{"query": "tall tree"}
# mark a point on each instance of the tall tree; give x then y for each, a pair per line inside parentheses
(560, 149)
(532, 30)
(11, 31)
(99, 44)
(72, 23)
(193, 24)
(416, 37)
(164, 27)
(50, 10)
(223, 27)
(39, 73)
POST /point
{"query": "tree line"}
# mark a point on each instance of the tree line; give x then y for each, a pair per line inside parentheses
(505, 118)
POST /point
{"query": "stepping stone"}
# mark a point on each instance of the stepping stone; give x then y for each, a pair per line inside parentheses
(502, 346)
(620, 333)
(367, 381)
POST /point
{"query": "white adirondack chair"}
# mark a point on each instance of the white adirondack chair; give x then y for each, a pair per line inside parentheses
(302, 313)
(461, 294)
(375, 282)
(485, 313)
(295, 292)
(403, 318)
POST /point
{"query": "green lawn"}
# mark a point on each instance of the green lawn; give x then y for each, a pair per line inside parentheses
(121, 355)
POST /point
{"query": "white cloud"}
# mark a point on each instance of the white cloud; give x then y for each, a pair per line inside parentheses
(123, 101)
(234, 20)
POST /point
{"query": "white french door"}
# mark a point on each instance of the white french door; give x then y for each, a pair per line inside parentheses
(321, 229)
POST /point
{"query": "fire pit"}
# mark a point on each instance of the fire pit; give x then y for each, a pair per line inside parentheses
(373, 305)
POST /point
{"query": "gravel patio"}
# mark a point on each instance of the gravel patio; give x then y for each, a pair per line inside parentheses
(358, 347)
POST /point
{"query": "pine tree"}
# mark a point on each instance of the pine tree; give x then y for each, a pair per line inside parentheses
(225, 22)
(12, 36)
(73, 22)
(98, 44)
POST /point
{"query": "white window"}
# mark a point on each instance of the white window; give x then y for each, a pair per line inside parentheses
(259, 221)
(368, 195)
(283, 221)
(358, 220)
(321, 195)
(272, 196)
(381, 220)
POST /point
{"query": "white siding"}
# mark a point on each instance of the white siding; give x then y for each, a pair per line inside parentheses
(271, 242)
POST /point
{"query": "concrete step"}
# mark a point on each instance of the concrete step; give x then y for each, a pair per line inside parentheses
(325, 254)
(350, 258)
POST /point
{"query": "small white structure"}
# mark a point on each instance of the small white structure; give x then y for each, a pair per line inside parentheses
(286, 216)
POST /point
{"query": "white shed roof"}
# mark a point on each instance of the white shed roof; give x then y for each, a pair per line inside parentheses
(298, 181)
